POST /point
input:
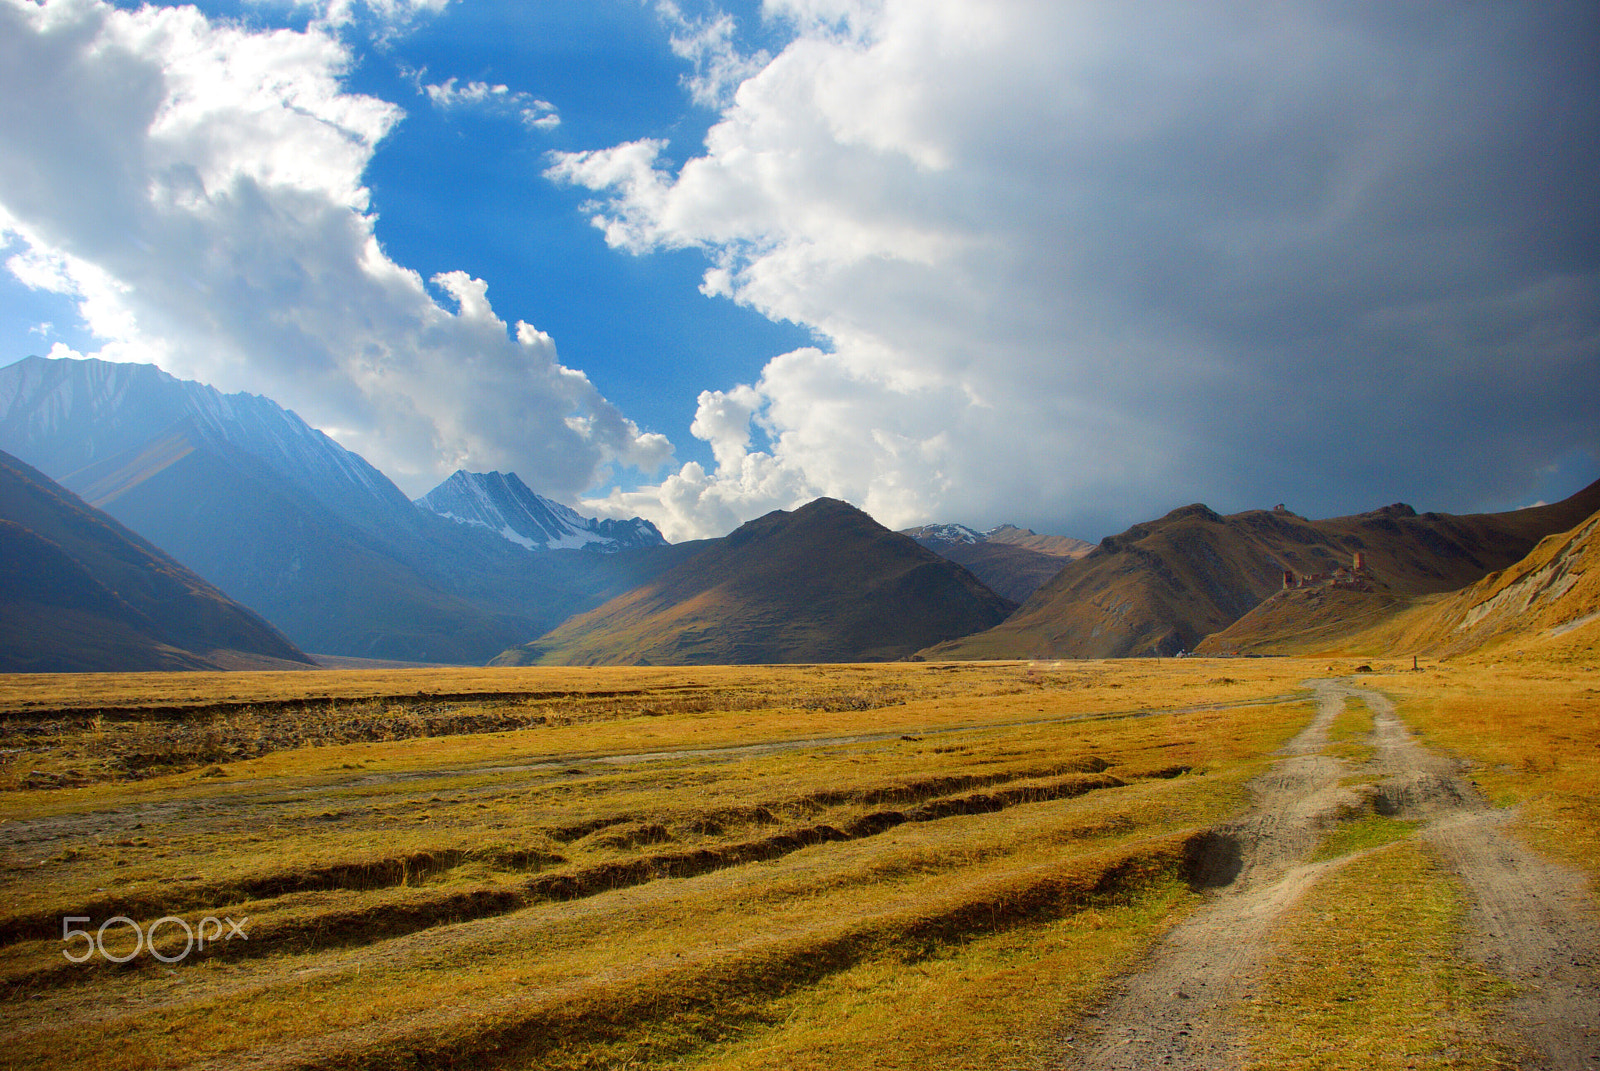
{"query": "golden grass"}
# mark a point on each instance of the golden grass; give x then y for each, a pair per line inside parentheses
(207, 720)
(642, 877)
(994, 1001)
(1367, 975)
(845, 866)
(1530, 731)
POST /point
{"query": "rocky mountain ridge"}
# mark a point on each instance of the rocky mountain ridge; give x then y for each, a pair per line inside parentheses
(503, 504)
(821, 583)
(1162, 586)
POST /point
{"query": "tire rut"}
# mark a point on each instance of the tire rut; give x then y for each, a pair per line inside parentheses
(1531, 920)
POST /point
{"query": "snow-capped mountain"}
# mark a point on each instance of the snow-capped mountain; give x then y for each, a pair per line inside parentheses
(934, 536)
(293, 525)
(939, 537)
(1013, 561)
(62, 416)
(502, 503)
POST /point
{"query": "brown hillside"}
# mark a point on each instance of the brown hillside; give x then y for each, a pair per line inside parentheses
(1010, 570)
(825, 583)
(81, 592)
(1305, 621)
(1161, 587)
(1550, 599)
(1054, 545)
(1549, 603)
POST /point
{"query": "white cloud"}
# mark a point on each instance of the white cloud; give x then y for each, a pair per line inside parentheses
(1080, 263)
(197, 188)
(533, 113)
(708, 44)
(390, 16)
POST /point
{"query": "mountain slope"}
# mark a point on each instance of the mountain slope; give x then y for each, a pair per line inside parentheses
(1055, 545)
(61, 416)
(289, 522)
(1161, 587)
(1010, 571)
(78, 591)
(319, 579)
(461, 597)
(503, 504)
(1549, 599)
(939, 537)
(1013, 562)
(825, 583)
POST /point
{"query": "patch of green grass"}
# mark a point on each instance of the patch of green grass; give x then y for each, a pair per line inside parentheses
(1349, 733)
(1373, 831)
(1366, 974)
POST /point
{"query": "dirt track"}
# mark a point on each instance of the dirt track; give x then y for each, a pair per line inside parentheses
(1532, 921)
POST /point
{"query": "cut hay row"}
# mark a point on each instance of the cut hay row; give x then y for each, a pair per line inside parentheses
(379, 921)
(419, 866)
(521, 1031)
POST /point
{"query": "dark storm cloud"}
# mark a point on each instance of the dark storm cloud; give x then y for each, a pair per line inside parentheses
(1082, 263)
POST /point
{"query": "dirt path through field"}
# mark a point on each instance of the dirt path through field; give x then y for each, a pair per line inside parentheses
(1532, 921)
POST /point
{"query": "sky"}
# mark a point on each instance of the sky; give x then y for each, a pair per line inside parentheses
(1064, 265)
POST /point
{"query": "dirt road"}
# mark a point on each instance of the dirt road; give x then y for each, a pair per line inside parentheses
(1531, 919)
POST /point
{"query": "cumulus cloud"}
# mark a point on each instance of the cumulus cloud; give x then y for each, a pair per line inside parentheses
(197, 188)
(1075, 264)
(533, 113)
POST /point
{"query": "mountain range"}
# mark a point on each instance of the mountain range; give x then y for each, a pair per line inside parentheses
(1551, 594)
(1014, 562)
(241, 509)
(823, 583)
(1161, 587)
(79, 591)
(503, 504)
(290, 523)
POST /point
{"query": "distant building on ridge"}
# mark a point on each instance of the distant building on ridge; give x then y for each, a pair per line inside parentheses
(1356, 576)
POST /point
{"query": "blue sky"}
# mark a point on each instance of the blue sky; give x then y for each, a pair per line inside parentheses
(463, 189)
(1056, 264)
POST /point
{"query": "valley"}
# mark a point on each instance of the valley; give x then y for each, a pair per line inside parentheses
(812, 793)
(799, 535)
(902, 865)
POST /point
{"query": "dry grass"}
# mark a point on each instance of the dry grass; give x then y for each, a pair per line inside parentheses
(1367, 974)
(672, 866)
(1531, 732)
(846, 866)
(75, 730)
(1348, 735)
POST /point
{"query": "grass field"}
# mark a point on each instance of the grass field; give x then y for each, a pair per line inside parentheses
(908, 865)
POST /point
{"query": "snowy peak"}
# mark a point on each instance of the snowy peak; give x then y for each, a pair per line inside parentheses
(934, 536)
(941, 537)
(502, 503)
(63, 415)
